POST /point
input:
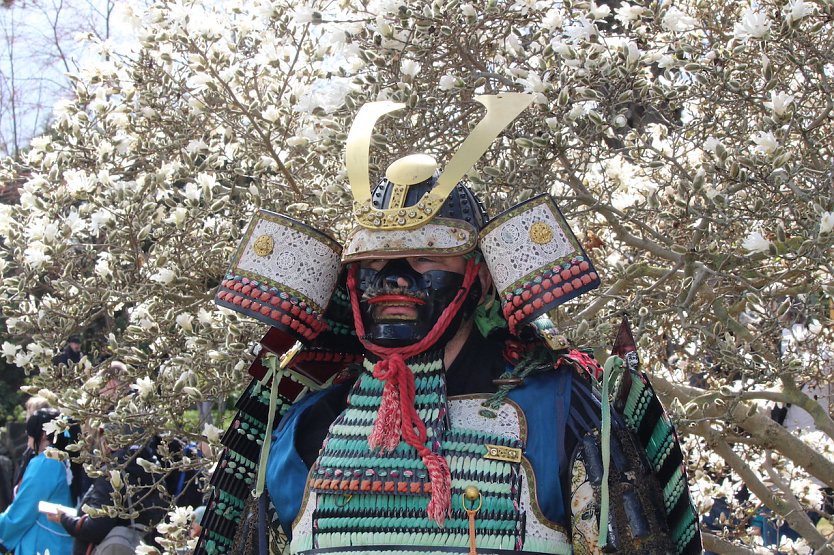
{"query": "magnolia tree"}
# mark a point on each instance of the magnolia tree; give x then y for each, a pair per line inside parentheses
(689, 143)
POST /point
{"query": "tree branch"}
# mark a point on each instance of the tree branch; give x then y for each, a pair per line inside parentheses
(719, 545)
(769, 434)
(797, 519)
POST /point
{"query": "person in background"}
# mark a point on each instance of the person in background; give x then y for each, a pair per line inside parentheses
(32, 405)
(22, 527)
(71, 353)
(142, 497)
(196, 519)
(115, 381)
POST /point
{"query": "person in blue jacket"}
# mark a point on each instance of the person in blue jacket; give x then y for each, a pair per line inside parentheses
(23, 528)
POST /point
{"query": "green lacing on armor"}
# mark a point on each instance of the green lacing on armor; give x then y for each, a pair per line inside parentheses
(538, 359)
(613, 366)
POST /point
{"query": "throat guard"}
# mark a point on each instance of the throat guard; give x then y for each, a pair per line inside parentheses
(400, 306)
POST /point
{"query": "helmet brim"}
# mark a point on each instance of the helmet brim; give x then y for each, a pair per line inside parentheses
(440, 237)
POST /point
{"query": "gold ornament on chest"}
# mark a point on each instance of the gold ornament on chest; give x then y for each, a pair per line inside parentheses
(501, 453)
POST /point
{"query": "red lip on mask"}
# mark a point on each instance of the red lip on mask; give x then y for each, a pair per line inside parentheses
(379, 299)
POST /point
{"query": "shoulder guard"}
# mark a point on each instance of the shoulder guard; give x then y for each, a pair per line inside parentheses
(654, 435)
(312, 369)
(645, 500)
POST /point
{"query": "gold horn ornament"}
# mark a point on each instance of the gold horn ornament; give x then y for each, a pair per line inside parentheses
(501, 109)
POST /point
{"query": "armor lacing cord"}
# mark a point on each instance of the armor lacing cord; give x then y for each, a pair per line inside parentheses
(613, 364)
(397, 416)
(537, 360)
(273, 372)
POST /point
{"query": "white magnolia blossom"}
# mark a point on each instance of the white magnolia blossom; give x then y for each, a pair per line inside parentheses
(144, 386)
(797, 9)
(766, 142)
(205, 317)
(36, 255)
(185, 321)
(628, 14)
(580, 29)
(533, 84)
(779, 102)
(196, 145)
(272, 113)
(826, 222)
(410, 67)
(177, 216)
(100, 218)
(42, 230)
(192, 191)
(102, 268)
(754, 24)
(52, 427)
(447, 82)
(327, 94)
(755, 242)
(5, 219)
(10, 350)
(552, 19)
(165, 276)
(23, 359)
(383, 6)
(468, 10)
(711, 143)
(211, 432)
(599, 12)
(78, 181)
(297, 141)
(74, 223)
(40, 143)
(206, 181)
(676, 20)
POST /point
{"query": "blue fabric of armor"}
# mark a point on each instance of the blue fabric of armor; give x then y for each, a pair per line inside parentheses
(286, 473)
(545, 401)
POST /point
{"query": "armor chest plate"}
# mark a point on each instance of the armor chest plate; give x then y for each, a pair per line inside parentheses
(374, 503)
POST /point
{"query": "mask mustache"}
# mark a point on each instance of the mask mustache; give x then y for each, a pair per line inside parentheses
(420, 297)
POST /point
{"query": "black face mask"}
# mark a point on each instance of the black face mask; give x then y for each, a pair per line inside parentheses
(400, 306)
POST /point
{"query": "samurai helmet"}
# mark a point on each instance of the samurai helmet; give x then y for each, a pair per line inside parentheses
(286, 273)
(417, 211)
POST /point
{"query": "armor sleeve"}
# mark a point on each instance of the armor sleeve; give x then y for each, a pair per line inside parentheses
(636, 523)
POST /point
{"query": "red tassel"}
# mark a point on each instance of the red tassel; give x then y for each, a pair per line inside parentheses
(441, 487)
(387, 428)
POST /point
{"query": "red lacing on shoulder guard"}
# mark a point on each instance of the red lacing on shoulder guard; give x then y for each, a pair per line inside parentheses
(583, 363)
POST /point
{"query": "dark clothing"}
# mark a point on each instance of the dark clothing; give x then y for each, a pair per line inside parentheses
(28, 455)
(67, 357)
(184, 485)
(144, 498)
(7, 481)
